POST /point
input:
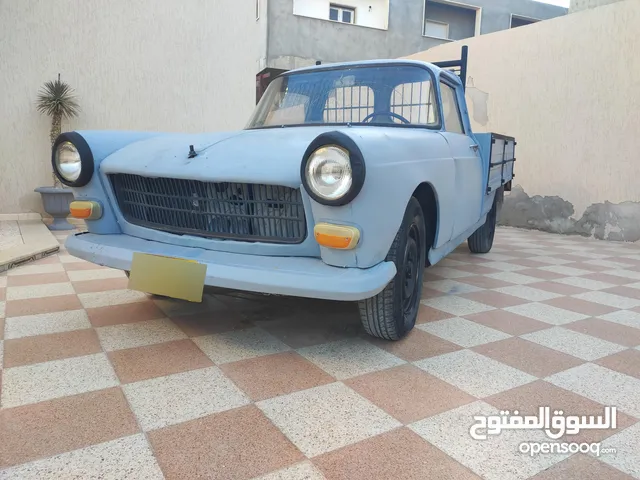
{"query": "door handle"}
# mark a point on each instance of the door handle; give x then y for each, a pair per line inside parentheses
(474, 147)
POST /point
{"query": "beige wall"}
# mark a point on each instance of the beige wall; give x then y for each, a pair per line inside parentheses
(186, 65)
(578, 5)
(568, 89)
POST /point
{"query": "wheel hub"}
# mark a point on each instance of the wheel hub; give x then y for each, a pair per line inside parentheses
(411, 271)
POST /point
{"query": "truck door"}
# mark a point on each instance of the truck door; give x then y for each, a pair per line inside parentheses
(466, 157)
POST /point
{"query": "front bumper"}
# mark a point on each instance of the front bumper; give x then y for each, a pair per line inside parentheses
(295, 276)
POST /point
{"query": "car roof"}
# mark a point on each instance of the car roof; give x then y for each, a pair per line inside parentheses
(391, 62)
(383, 61)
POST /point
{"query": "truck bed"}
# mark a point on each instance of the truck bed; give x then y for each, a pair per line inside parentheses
(500, 152)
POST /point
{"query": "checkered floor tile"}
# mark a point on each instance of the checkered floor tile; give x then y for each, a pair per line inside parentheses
(97, 381)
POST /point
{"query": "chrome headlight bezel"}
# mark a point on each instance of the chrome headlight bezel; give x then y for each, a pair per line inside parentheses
(84, 152)
(346, 147)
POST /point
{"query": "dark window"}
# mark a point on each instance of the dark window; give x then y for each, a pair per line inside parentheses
(520, 21)
(449, 21)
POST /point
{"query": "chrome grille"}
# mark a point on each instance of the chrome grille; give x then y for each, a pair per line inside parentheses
(239, 211)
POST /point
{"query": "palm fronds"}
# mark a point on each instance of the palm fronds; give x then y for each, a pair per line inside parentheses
(57, 99)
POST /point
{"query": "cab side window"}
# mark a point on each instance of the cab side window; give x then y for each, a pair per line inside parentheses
(451, 109)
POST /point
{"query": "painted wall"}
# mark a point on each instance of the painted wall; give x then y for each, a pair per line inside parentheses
(578, 5)
(369, 13)
(567, 89)
(296, 41)
(134, 65)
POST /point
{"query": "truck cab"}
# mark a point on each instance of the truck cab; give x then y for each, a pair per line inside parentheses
(348, 180)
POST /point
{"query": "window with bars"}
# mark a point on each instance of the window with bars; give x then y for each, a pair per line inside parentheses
(388, 94)
(416, 102)
(348, 104)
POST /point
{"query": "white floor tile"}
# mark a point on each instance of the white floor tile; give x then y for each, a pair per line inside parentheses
(497, 457)
(603, 385)
(573, 343)
(455, 305)
(608, 299)
(476, 374)
(348, 358)
(124, 458)
(546, 313)
(463, 332)
(44, 323)
(164, 401)
(59, 378)
(138, 334)
(322, 419)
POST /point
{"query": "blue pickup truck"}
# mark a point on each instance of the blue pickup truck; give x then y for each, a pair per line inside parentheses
(348, 180)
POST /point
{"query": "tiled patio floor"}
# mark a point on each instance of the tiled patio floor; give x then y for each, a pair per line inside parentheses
(102, 382)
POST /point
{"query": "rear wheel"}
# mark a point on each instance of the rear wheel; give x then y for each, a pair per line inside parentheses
(481, 240)
(392, 313)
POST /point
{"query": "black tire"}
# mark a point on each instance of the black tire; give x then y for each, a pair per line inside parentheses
(481, 240)
(392, 313)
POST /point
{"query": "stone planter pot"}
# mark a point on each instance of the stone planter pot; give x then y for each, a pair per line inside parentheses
(56, 203)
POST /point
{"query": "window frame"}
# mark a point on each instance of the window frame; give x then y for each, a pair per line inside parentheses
(341, 9)
(443, 120)
(436, 22)
(439, 126)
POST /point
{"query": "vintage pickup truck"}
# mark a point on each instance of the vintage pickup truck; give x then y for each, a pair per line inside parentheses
(348, 180)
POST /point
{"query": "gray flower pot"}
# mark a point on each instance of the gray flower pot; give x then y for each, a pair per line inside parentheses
(56, 203)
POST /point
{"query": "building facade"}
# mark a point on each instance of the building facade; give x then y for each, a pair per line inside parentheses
(191, 66)
(302, 32)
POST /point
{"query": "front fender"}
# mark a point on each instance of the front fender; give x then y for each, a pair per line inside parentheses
(397, 163)
(102, 144)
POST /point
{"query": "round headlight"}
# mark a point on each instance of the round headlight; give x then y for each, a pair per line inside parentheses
(72, 160)
(68, 161)
(328, 172)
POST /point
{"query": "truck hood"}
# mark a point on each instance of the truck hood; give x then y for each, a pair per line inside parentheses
(269, 156)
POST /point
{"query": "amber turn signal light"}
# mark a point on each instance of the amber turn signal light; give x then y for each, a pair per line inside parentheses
(341, 237)
(85, 210)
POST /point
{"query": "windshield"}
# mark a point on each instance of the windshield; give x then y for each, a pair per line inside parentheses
(387, 95)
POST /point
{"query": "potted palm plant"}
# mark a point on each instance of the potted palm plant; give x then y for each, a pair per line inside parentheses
(57, 100)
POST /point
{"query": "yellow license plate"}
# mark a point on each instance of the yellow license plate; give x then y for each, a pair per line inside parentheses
(168, 276)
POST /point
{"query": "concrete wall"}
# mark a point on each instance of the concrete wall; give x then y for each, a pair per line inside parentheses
(296, 41)
(496, 14)
(369, 13)
(567, 89)
(134, 65)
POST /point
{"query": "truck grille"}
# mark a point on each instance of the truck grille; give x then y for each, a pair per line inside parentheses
(238, 211)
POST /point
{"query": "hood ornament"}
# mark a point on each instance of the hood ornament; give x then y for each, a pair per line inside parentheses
(192, 152)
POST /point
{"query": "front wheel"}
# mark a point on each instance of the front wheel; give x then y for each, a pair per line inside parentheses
(392, 313)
